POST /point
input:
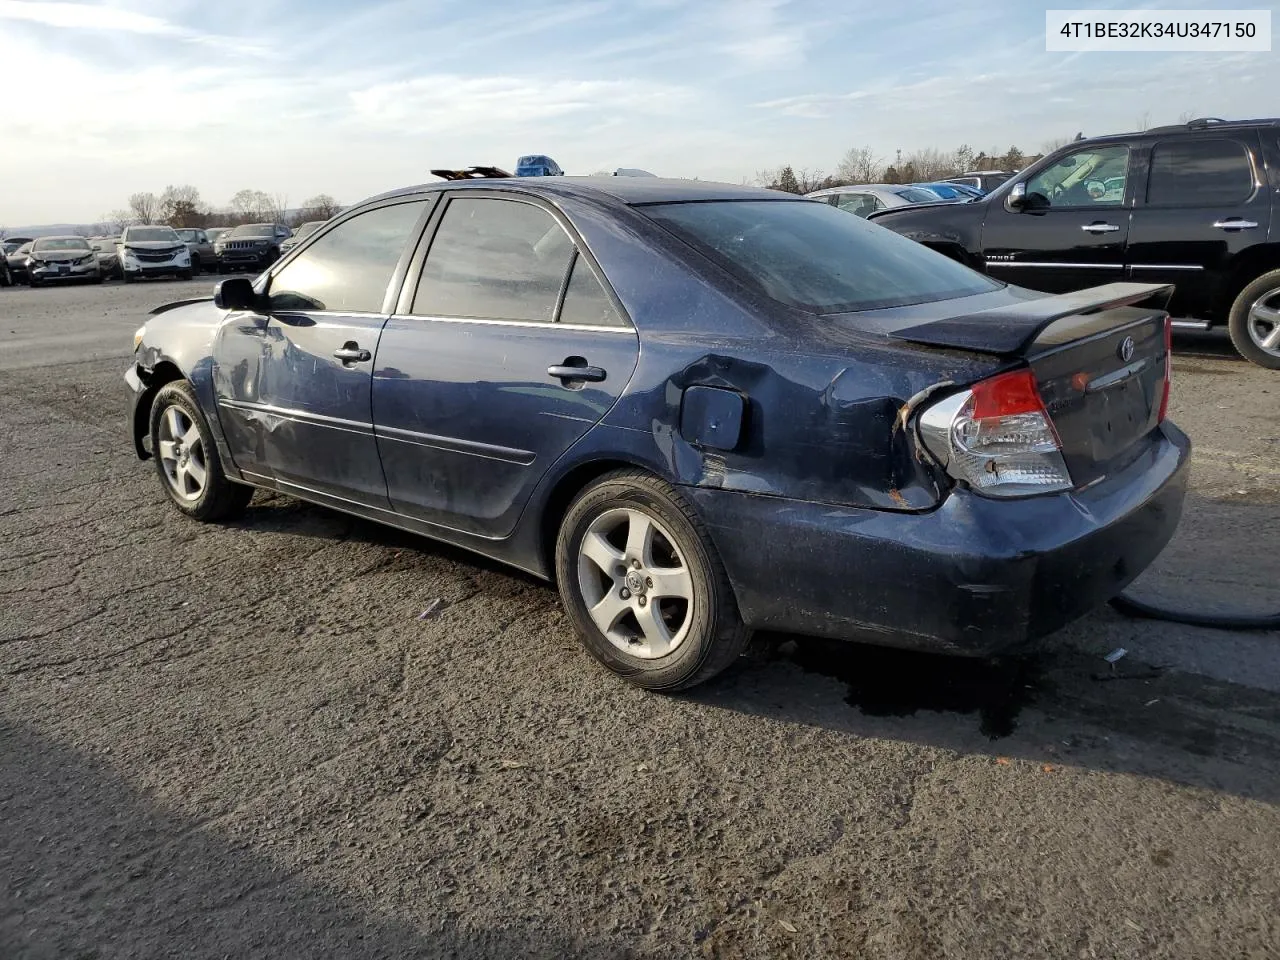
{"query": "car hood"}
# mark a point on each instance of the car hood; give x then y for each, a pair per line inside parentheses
(54, 256)
(152, 244)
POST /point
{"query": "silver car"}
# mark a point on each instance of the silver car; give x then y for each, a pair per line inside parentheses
(200, 246)
(62, 258)
(304, 231)
(866, 198)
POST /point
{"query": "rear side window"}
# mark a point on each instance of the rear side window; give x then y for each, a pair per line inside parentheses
(494, 259)
(348, 269)
(859, 204)
(585, 300)
(1197, 173)
(817, 258)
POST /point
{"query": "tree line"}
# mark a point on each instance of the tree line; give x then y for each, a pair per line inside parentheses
(864, 165)
(181, 206)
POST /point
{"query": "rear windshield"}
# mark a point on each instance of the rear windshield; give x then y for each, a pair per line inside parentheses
(816, 257)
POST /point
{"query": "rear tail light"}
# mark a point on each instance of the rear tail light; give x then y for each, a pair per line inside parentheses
(1168, 368)
(997, 437)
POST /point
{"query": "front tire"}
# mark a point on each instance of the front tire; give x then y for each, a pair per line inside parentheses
(643, 585)
(187, 460)
(1254, 321)
(184, 274)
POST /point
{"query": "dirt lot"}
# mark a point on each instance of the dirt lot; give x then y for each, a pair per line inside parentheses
(241, 741)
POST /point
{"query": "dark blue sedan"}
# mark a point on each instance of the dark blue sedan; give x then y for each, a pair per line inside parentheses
(701, 409)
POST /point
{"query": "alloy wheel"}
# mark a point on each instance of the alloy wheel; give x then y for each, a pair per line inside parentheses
(637, 587)
(1264, 322)
(182, 453)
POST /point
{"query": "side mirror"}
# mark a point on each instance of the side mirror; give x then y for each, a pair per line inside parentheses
(235, 293)
(1016, 201)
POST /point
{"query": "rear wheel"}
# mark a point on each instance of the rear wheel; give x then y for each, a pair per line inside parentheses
(187, 459)
(643, 585)
(1254, 321)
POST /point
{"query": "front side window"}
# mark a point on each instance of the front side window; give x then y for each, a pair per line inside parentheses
(809, 256)
(348, 269)
(1196, 173)
(494, 259)
(1087, 178)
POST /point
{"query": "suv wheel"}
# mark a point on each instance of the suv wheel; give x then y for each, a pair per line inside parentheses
(643, 586)
(195, 264)
(1254, 321)
(187, 458)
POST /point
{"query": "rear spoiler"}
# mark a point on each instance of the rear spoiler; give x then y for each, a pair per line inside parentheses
(1011, 329)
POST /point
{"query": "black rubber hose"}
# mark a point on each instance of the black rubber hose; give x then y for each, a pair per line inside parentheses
(1220, 621)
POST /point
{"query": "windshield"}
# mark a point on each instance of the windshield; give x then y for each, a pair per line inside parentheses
(188, 235)
(815, 257)
(150, 234)
(60, 243)
(254, 230)
(11, 245)
(918, 195)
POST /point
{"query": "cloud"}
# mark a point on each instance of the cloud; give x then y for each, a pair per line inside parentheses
(85, 16)
(454, 103)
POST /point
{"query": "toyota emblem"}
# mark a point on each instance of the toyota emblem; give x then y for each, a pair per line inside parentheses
(1126, 350)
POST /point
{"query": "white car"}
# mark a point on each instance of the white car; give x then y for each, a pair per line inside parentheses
(153, 251)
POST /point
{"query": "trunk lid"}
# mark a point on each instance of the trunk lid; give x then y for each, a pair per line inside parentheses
(1100, 359)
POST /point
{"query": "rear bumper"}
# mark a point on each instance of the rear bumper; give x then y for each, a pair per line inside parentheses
(974, 577)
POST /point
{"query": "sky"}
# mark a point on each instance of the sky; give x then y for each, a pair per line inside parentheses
(299, 97)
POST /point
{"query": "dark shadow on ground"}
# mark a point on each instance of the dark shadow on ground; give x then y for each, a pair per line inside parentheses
(89, 868)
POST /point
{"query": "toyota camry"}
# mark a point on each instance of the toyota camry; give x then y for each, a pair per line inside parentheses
(700, 409)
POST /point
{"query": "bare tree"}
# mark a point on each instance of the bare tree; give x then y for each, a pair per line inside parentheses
(1144, 121)
(144, 207)
(250, 205)
(116, 221)
(180, 206)
(1054, 144)
(1186, 116)
(860, 165)
(964, 158)
(277, 207)
(930, 164)
(322, 207)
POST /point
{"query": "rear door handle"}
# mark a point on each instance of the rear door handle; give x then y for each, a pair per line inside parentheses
(350, 352)
(1099, 228)
(1234, 223)
(575, 368)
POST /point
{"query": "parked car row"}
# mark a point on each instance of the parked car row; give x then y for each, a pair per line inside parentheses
(143, 251)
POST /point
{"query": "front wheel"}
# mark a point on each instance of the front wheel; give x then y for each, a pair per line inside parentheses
(184, 274)
(643, 585)
(187, 459)
(1254, 321)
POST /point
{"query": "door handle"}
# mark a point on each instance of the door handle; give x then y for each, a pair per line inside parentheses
(350, 352)
(1234, 223)
(575, 368)
(1099, 228)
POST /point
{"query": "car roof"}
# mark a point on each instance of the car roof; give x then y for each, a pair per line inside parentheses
(64, 236)
(627, 190)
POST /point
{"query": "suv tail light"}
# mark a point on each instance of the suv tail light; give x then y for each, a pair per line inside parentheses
(1168, 368)
(997, 437)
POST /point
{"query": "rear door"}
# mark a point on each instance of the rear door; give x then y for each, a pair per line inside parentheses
(294, 383)
(508, 347)
(1072, 231)
(1203, 202)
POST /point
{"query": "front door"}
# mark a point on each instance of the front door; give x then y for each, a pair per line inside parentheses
(294, 382)
(509, 350)
(1072, 230)
(1205, 201)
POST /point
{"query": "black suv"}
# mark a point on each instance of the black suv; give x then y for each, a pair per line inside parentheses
(253, 246)
(1189, 204)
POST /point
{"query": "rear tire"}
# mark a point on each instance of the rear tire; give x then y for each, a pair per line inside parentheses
(1254, 321)
(633, 556)
(187, 460)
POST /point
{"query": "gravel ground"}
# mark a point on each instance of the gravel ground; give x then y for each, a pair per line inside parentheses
(241, 741)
